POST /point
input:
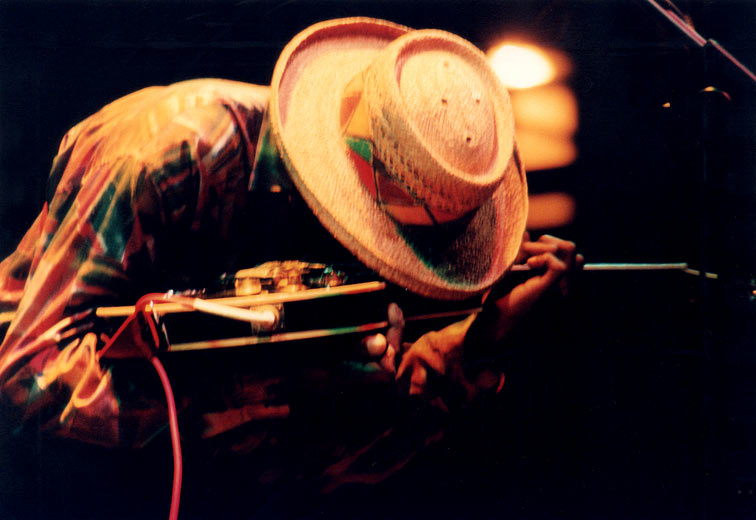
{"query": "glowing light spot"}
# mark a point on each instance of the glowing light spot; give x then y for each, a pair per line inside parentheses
(550, 210)
(546, 119)
(522, 66)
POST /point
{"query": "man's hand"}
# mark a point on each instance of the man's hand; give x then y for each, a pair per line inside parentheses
(440, 353)
(554, 261)
(559, 259)
(382, 349)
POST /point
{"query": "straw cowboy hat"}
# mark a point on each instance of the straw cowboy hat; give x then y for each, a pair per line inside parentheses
(402, 143)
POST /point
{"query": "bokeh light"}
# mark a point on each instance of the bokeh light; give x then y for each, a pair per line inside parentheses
(520, 65)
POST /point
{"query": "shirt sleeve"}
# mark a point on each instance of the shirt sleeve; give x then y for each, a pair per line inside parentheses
(139, 187)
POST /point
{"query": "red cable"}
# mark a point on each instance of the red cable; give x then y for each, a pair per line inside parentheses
(141, 306)
(172, 412)
(175, 437)
(117, 333)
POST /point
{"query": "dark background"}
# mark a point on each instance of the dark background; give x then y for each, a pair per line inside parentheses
(639, 402)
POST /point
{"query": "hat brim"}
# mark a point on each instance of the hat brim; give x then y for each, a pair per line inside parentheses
(449, 262)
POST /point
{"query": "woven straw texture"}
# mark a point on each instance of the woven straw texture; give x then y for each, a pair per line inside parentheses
(416, 140)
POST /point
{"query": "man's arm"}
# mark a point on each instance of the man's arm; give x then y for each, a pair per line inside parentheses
(175, 167)
(552, 260)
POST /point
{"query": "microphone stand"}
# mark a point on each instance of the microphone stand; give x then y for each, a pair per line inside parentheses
(723, 197)
(676, 18)
(727, 346)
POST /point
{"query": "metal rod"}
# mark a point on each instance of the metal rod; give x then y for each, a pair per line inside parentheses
(675, 266)
(678, 22)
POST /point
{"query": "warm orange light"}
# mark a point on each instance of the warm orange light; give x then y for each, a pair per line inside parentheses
(550, 210)
(550, 109)
(545, 152)
(546, 119)
(545, 109)
(521, 65)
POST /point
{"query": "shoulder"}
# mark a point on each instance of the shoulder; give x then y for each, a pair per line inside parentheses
(142, 123)
(133, 121)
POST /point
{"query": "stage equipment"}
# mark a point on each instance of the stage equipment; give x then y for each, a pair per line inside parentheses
(292, 301)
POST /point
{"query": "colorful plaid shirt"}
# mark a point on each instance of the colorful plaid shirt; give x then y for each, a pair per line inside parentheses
(139, 188)
(150, 192)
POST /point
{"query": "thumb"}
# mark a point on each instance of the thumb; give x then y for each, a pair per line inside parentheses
(396, 326)
(418, 379)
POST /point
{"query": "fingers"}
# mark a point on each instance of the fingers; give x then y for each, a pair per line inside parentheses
(564, 249)
(560, 266)
(375, 346)
(382, 349)
(395, 316)
(396, 326)
(424, 351)
(556, 256)
(564, 245)
(555, 260)
(567, 253)
(539, 248)
(548, 246)
(418, 373)
(418, 379)
(409, 361)
(553, 264)
(430, 363)
(388, 361)
(424, 355)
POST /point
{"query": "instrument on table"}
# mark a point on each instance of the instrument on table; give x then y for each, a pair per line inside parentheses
(291, 301)
(285, 301)
(281, 302)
